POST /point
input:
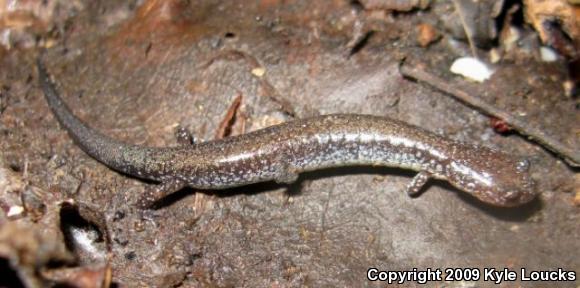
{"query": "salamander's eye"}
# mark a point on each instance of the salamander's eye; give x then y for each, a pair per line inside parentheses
(523, 165)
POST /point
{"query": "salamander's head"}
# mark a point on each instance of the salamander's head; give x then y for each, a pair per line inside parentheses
(493, 177)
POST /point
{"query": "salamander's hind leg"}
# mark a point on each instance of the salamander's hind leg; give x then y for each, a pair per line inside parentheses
(417, 183)
(154, 193)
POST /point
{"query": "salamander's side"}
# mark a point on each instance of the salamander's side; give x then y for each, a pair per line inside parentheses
(337, 140)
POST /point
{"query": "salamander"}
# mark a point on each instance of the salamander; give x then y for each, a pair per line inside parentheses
(281, 152)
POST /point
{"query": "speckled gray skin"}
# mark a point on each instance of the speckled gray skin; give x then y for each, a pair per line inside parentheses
(280, 152)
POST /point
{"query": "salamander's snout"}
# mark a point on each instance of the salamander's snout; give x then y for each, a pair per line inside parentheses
(523, 193)
(514, 186)
(500, 180)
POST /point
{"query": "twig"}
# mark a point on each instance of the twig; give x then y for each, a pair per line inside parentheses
(225, 127)
(570, 155)
(467, 29)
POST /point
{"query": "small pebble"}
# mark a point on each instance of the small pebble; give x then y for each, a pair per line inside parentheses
(471, 68)
(259, 72)
(494, 55)
(427, 35)
(15, 211)
(548, 54)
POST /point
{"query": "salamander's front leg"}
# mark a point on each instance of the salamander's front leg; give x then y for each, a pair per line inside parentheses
(184, 137)
(418, 182)
(154, 193)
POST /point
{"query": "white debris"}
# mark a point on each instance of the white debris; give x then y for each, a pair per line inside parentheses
(259, 72)
(86, 239)
(471, 68)
(548, 54)
(14, 211)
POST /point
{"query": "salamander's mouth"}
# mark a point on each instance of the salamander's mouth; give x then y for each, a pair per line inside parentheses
(507, 197)
(516, 198)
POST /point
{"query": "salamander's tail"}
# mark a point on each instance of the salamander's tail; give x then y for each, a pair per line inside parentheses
(115, 154)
